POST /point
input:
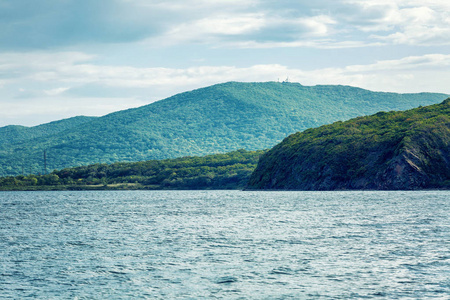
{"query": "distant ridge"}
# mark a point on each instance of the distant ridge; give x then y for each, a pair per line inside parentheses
(386, 151)
(17, 133)
(215, 119)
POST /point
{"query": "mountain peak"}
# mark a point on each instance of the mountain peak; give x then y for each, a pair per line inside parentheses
(215, 119)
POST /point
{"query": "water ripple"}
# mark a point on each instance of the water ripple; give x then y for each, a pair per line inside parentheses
(224, 245)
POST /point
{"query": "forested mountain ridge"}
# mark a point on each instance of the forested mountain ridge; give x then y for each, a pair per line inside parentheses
(387, 151)
(215, 119)
(16, 133)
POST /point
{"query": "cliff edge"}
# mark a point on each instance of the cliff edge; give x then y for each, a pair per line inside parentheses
(403, 150)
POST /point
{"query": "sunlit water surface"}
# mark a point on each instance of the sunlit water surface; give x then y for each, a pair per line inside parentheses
(224, 244)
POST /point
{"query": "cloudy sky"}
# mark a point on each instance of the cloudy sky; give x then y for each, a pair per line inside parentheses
(62, 58)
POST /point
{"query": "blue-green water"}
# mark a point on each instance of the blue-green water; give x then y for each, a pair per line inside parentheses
(224, 244)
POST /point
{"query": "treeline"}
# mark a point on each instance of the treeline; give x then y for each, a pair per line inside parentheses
(220, 171)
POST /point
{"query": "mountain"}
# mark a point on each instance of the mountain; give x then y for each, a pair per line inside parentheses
(386, 151)
(215, 119)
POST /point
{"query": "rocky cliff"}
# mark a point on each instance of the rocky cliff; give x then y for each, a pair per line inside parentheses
(386, 151)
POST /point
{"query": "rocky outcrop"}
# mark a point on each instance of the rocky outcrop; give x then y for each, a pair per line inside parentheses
(387, 151)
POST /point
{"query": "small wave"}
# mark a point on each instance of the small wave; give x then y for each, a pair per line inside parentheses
(226, 280)
(282, 271)
(78, 244)
(117, 272)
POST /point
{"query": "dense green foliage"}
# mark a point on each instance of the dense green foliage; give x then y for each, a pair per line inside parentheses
(216, 119)
(219, 171)
(15, 133)
(394, 150)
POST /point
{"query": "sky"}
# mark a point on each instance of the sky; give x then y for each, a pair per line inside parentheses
(64, 58)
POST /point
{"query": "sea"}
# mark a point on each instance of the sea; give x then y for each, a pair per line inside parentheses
(225, 245)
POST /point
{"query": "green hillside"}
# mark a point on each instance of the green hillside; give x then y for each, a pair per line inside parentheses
(220, 171)
(15, 133)
(395, 150)
(216, 119)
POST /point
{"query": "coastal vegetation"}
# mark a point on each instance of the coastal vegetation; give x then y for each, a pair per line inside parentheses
(215, 119)
(388, 151)
(219, 171)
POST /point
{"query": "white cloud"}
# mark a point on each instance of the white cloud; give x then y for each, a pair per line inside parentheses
(54, 89)
(225, 23)
(317, 44)
(204, 29)
(434, 61)
(318, 25)
(402, 22)
(327, 25)
(56, 76)
(406, 75)
(47, 109)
